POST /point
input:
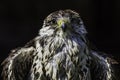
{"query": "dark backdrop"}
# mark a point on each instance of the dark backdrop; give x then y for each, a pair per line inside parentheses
(20, 21)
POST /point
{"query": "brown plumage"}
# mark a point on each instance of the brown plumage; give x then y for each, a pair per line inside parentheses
(59, 52)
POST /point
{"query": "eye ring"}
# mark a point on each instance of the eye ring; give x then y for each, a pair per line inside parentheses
(53, 21)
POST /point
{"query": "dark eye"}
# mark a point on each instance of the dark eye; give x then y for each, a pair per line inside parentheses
(75, 20)
(53, 21)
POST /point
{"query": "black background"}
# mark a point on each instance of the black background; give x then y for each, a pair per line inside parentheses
(20, 21)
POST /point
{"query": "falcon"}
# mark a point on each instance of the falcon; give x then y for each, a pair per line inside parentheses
(59, 52)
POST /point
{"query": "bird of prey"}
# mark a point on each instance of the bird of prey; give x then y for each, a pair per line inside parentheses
(59, 52)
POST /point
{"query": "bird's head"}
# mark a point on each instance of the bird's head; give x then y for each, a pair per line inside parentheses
(64, 23)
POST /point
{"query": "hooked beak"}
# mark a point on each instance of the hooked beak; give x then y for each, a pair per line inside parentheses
(63, 23)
